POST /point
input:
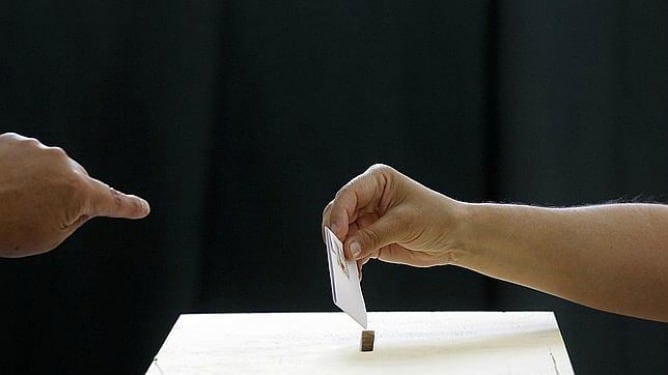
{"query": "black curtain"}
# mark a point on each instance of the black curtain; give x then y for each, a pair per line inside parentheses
(238, 121)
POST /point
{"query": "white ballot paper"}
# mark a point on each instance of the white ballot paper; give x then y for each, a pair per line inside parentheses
(345, 279)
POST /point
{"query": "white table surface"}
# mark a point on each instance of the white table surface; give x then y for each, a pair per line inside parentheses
(328, 343)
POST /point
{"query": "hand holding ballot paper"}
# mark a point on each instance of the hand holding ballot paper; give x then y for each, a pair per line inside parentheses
(602, 256)
(344, 276)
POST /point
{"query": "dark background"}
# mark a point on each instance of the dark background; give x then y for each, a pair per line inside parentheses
(239, 120)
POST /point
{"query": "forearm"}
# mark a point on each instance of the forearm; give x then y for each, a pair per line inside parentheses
(610, 257)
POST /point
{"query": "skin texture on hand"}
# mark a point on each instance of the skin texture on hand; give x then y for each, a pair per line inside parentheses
(385, 215)
(45, 196)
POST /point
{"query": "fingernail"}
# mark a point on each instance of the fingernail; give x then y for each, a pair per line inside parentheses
(355, 248)
(144, 208)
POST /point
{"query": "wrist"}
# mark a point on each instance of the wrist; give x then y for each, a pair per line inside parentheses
(458, 231)
(477, 233)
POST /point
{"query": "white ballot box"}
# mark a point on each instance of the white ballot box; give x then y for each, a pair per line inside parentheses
(329, 343)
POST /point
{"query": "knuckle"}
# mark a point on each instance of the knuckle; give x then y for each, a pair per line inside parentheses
(29, 142)
(351, 186)
(380, 168)
(57, 152)
(381, 174)
(19, 140)
(342, 190)
(9, 136)
(327, 208)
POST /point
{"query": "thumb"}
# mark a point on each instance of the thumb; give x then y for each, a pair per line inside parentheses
(367, 240)
(109, 202)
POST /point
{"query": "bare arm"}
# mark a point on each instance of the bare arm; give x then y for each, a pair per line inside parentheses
(610, 257)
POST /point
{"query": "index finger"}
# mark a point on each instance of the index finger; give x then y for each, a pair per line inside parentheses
(109, 202)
